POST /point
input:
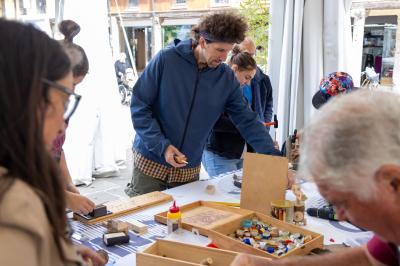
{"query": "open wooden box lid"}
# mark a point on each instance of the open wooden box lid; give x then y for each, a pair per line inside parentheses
(205, 215)
(170, 253)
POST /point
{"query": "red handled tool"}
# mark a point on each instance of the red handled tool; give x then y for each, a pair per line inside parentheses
(273, 123)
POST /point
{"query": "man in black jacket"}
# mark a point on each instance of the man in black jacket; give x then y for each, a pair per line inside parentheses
(120, 67)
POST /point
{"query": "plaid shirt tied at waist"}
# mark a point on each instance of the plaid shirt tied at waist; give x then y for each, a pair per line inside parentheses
(165, 173)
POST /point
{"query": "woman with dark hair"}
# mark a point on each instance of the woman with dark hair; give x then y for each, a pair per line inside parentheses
(80, 67)
(225, 145)
(77, 55)
(35, 99)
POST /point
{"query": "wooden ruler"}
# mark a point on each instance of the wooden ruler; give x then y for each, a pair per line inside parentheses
(125, 206)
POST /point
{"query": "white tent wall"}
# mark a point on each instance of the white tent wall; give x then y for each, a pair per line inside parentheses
(313, 52)
(308, 39)
(100, 132)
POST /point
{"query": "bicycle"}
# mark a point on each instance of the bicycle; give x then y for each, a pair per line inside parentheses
(370, 79)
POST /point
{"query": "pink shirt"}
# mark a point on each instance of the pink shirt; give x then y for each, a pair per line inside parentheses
(384, 252)
(58, 144)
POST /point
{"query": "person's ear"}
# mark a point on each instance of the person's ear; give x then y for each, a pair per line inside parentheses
(234, 67)
(202, 42)
(389, 176)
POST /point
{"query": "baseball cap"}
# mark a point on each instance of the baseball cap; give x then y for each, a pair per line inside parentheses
(335, 83)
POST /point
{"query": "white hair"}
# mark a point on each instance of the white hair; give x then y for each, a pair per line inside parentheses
(350, 138)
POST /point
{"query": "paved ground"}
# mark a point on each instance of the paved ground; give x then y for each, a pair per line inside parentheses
(112, 188)
(104, 189)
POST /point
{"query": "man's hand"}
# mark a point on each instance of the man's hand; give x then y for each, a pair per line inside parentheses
(294, 154)
(91, 257)
(79, 203)
(169, 155)
(276, 145)
(291, 176)
(248, 260)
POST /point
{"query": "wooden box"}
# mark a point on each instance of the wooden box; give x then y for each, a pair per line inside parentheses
(205, 215)
(218, 221)
(170, 253)
(220, 238)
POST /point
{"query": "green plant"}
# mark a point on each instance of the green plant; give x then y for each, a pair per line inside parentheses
(172, 32)
(257, 14)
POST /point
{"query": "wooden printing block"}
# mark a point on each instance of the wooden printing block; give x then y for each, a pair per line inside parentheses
(137, 226)
(115, 238)
(115, 226)
(98, 211)
(181, 159)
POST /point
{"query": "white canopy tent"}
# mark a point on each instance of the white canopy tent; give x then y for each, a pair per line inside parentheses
(308, 40)
(100, 132)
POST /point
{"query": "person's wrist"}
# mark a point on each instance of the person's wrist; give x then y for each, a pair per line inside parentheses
(71, 187)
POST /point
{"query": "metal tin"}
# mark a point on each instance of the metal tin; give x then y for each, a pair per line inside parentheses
(282, 210)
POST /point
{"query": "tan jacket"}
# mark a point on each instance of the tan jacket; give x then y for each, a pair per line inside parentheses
(25, 232)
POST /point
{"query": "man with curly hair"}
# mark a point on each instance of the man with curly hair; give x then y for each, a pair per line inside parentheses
(179, 97)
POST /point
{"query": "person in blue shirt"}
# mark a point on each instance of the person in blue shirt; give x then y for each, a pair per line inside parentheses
(225, 145)
(179, 97)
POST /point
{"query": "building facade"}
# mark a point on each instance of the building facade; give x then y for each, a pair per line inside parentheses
(42, 13)
(376, 38)
(146, 26)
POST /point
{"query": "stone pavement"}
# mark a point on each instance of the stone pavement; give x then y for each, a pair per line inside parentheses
(104, 189)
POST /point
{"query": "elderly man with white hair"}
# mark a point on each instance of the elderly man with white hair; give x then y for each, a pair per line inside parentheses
(352, 151)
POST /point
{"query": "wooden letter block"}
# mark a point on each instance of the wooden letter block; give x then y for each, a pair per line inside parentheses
(138, 227)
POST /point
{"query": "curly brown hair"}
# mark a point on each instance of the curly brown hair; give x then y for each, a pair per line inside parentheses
(226, 26)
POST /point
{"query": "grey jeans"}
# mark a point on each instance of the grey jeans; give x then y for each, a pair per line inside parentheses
(142, 184)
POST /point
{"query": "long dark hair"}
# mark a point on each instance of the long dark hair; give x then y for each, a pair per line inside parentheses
(243, 60)
(79, 60)
(27, 56)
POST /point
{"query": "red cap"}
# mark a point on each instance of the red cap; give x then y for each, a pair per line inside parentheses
(174, 208)
(211, 245)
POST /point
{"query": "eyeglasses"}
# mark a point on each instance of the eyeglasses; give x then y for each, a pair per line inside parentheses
(73, 99)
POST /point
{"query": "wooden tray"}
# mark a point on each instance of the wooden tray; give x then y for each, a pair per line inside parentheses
(125, 206)
(169, 253)
(218, 221)
(220, 238)
(205, 215)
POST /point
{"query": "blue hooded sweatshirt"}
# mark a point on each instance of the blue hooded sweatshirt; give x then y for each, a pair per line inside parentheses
(175, 103)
